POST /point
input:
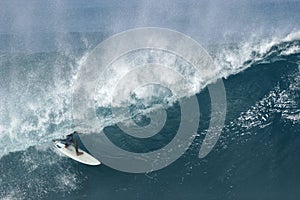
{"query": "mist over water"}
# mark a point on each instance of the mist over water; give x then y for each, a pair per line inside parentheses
(55, 25)
(254, 44)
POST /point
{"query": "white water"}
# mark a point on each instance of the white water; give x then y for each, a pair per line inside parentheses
(36, 106)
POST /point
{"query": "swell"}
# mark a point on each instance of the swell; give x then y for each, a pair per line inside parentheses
(36, 88)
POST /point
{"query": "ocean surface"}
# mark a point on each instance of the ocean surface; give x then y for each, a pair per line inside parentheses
(43, 46)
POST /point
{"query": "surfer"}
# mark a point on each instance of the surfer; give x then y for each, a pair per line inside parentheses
(70, 139)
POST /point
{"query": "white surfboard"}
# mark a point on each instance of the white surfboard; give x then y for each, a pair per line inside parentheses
(69, 151)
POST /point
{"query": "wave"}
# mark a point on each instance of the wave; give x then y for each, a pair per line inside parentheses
(235, 58)
(280, 102)
(37, 88)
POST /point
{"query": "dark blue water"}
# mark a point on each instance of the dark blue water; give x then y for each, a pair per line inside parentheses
(42, 46)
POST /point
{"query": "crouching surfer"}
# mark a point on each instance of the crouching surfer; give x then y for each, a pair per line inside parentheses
(69, 140)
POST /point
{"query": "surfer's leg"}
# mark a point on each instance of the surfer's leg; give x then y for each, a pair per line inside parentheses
(66, 143)
(76, 148)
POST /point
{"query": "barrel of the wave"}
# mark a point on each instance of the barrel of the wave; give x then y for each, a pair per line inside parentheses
(98, 73)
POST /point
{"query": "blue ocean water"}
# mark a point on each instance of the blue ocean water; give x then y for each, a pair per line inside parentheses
(256, 46)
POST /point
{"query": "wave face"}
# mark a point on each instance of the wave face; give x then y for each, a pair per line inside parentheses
(37, 88)
(258, 143)
(256, 49)
(262, 82)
